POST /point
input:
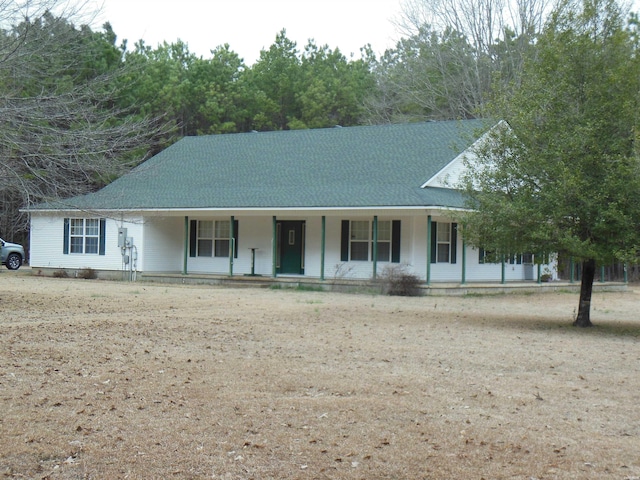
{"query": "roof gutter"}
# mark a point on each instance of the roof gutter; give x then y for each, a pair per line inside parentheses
(181, 210)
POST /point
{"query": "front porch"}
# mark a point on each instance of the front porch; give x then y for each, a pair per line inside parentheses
(374, 286)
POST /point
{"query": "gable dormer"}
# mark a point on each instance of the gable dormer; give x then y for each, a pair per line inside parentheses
(449, 176)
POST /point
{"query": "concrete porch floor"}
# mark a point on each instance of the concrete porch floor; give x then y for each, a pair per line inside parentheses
(371, 286)
(333, 284)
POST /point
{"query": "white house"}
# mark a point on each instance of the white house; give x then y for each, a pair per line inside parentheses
(308, 203)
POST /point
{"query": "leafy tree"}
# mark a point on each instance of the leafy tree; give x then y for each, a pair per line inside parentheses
(219, 94)
(276, 75)
(157, 85)
(317, 88)
(563, 174)
(332, 89)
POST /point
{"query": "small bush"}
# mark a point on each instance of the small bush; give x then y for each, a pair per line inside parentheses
(395, 280)
(87, 273)
(60, 274)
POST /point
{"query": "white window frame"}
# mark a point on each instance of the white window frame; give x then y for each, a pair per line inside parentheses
(359, 238)
(84, 236)
(386, 227)
(359, 234)
(443, 242)
(204, 238)
(222, 238)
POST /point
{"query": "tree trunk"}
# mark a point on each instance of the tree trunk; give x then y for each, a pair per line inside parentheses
(586, 288)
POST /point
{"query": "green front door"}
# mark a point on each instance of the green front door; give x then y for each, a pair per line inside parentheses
(290, 247)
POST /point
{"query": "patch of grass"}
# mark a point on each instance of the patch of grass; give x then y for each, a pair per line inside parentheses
(565, 291)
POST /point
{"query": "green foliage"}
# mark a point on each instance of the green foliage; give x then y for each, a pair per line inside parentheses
(563, 173)
(284, 89)
(276, 75)
(332, 89)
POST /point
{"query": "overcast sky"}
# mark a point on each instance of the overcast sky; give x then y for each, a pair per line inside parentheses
(251, 25)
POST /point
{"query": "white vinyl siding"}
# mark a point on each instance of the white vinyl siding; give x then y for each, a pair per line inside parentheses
(162, 242)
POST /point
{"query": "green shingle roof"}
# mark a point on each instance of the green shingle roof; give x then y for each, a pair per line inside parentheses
(382, 165)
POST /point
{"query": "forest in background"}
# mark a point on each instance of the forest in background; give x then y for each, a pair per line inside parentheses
(79, 107)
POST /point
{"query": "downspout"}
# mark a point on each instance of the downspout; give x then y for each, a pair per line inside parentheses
(322, 246)
(502, 279)
(428, 249)
(186, 246)
(232, 245)
(375, 246)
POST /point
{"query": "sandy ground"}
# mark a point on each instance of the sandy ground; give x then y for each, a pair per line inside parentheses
(104, 379)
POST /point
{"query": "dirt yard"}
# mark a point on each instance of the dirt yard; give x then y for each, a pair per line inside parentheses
(109, 380)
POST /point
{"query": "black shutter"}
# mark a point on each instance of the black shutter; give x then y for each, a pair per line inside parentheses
(344, 242)
(65, 237)
(434, 241)
(481, 255)
(395, 241)
(454, 242)
(102, 241)
(193, 232)
(235, 238)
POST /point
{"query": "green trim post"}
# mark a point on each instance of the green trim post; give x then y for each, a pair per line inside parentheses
(323, 246)
(539, 273)
(464, 260)
(232, 245)
(274, 248)
(375, 246)
(626, 273)
(429, 249)
(503, 274)
(185, 260)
